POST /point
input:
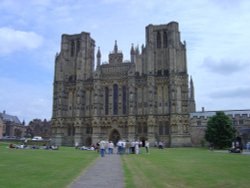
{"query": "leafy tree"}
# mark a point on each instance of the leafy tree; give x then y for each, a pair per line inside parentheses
(220, 130)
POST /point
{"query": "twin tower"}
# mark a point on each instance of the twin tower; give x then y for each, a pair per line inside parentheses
(146, 98)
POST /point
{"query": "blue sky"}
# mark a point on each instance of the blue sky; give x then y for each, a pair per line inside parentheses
(217, 34)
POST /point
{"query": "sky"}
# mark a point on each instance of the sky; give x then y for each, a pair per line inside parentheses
(217, 35)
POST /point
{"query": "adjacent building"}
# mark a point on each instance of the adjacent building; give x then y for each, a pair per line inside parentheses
(198, 124)
(38, 127)
(11, 126)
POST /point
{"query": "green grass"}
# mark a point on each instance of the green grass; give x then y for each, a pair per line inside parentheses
(186, 167)
(175, 167)
(29, 168)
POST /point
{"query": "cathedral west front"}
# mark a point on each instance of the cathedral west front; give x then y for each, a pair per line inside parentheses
(147, 98)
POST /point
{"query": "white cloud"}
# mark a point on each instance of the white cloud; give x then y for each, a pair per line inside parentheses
(14, 40)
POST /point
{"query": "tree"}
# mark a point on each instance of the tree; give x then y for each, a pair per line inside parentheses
(220, 131)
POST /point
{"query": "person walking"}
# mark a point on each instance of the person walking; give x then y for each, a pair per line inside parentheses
(137, 149)
(102, 148)
(147, 147)
(128, 146)
(110, 147)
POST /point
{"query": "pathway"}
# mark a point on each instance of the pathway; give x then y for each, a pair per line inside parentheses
(106, 172)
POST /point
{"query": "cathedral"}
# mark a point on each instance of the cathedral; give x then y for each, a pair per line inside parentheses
(148, 97)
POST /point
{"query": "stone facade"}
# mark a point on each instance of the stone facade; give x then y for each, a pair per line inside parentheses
(198, 124)
(146, 98)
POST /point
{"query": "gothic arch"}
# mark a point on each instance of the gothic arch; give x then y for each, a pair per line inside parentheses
(106, 102)
(115, 99)
(165, 40)
(124, 99)
(72, 50)
(114, 136)
(158, 40)
(88, 141)
(143, 139)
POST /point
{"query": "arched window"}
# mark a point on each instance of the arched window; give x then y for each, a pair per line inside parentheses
(106, 100)
(88, 129)
(165, 40)
(69, 131)
(166, 128)
(158, 39)
(139, 129)
(124, 100)
(161, 128)
(145, 128)
(72, 51)
(115, 99)
(78, 46)
(73, 131)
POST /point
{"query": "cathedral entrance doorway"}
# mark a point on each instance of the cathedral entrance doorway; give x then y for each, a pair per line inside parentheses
(143, 139)
(114, 136)
(88, 141)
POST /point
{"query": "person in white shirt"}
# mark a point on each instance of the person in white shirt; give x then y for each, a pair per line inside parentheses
(102, 148)
(137, 149)
(147, 146)
(110, 147)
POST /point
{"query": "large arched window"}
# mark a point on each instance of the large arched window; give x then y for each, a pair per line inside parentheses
(106, 100)
(139, 128)
(158, 39)
(145, 128)
(166, 128)
(78, 46)
(69, 131)
(88, 129)
(124, 100)
(115, 99)
(73, 131)
(72, 50)
(165, 40)
(161, 128)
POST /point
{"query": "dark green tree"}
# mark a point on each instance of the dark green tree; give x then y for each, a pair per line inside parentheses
(220, 131)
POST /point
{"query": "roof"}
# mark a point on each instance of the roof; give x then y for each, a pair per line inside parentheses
(232, 113)
(6, 117)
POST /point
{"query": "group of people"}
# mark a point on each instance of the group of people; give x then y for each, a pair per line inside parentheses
(23, 146)
(121, 147)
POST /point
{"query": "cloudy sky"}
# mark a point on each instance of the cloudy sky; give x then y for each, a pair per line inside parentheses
(217, 33)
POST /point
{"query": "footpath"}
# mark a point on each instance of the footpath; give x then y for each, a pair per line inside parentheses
(106, 172)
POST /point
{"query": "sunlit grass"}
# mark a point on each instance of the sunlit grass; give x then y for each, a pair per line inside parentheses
(175, 167)
(29, 168)
(186, 167)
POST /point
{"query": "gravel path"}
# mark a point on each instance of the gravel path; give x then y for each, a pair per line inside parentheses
(106, 172)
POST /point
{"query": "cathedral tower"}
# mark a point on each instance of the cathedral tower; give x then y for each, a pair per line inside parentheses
(73, 65)
(166, 69)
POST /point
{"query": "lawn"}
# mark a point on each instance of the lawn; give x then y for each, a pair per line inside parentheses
(29, 168)
(186, 167)
(174, 167)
